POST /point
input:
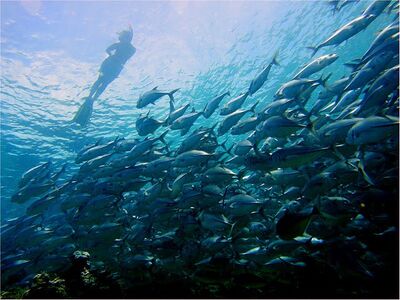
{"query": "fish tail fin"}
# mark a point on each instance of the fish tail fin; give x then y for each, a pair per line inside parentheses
(115, 140)
(323, 80)
(261, 211)
(232, 228)
(328, 107)
(171, 94)
(317, 206)
(165, 122)
(58, 174)
(223, 145)
(353, 64)
(224, 196)
(314, 50)
(366, 177)
(223, 159)
(204, 109)
(162, 136)
(168, 150)
(337, 152)
(230, 149)
(212, 129)
(241, 173)
(252, 109)
(64, 167)
(311, 126)
(255, 148)
(275, 59)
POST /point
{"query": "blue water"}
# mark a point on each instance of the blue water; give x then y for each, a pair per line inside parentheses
(51, 52)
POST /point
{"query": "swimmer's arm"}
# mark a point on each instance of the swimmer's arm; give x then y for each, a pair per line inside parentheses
(111, 48)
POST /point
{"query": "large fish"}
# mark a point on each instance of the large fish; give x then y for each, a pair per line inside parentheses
(145, 145)
(218, 174)
(316, 65)
(258, 82)
(174, 114)
(231, 119)
(277, 107)
(146, 125)
(242, 148)
(152, 96)
(279, 127)
(214, 223)
(336, 132)
(292, 157)
(291, 224)
(376, 8)
(374, 102)
(386, 33)
(389, 44)
(347, 98)
(213, 104)
(387, 79)
(345, 32)
(96, 151)
(195, 139)
(242, 205)
(245, 126)
(334, 89)
(31, 190)
(233, 104)
(190, 158)
(34, 172)
(373, 130)
(186, 121)
(370, 70)
(294, 88)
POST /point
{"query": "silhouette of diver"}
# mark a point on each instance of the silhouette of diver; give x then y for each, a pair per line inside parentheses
(118, 54)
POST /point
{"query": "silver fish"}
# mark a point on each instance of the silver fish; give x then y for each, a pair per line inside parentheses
(152, 96)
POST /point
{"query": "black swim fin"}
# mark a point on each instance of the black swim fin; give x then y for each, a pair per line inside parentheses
(84, 113)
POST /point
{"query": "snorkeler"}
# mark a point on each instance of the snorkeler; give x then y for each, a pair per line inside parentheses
(119, 53)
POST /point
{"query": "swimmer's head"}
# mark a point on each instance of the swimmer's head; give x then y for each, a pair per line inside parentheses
(126, 35)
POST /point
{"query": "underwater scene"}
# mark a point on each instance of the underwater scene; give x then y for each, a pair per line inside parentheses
(200, 149)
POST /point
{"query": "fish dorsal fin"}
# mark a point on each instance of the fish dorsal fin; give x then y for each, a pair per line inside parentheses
(154, 88)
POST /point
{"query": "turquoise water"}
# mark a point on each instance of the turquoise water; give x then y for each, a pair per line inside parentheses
(51, 52)
(324, 225)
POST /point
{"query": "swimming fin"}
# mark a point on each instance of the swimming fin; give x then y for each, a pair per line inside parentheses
(84, 113)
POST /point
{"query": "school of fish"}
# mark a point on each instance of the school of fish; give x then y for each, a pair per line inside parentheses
(308, 185)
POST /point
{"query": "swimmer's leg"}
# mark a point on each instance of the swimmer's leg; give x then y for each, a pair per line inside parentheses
(102, 87)
(96, 85)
